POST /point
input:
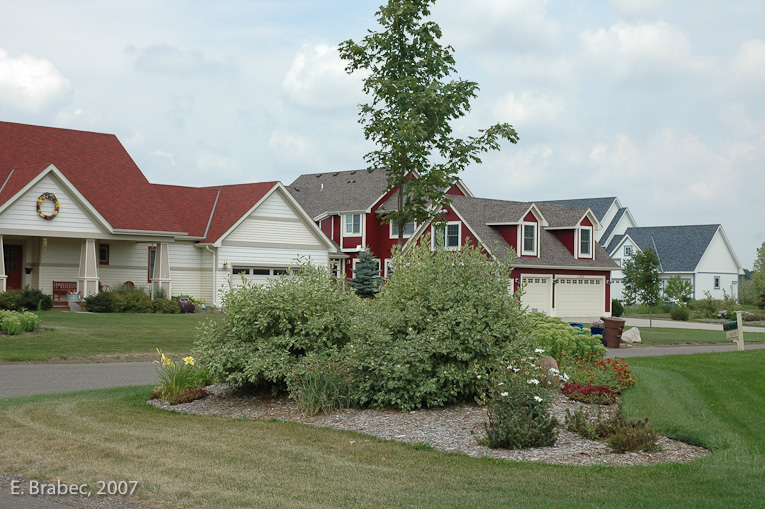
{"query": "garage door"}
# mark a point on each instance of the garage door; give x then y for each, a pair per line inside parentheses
(580, 297)
(257, 275)
(537, 293)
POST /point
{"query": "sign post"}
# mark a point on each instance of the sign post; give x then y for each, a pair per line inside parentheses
(735, 331)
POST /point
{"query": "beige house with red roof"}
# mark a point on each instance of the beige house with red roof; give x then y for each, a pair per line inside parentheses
(75, 209)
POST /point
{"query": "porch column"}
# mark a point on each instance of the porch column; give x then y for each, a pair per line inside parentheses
(87, 280)
(3, 276)
(160, 278)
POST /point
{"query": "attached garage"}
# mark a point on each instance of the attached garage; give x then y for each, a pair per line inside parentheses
(537, 293)
(258, 275)
(580, 297)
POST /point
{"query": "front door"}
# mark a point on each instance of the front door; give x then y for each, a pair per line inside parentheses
(13, 266)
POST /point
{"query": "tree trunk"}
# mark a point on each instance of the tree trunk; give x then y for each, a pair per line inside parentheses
(400, 219)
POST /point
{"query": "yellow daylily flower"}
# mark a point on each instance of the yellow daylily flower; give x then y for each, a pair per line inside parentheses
(190, 360)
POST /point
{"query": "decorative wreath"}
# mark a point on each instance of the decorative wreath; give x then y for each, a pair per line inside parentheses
(51, 197)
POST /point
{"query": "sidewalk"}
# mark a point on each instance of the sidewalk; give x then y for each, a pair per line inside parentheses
(638, 350)
(674, 324)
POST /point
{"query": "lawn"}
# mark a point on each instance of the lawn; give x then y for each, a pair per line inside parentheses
(181, 460)
(107, 335)
(667, 336)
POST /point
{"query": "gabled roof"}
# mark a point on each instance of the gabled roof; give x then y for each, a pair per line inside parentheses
(680, 248)
(599, 206)
(612, 225)
(478, 212)
(209, 212)
(339, 191)
(96, 164)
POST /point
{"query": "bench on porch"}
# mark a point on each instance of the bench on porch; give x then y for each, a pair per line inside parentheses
(63, 287)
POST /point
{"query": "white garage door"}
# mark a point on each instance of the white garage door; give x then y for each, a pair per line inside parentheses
(537, 293)
(257, 275)
(580, 297)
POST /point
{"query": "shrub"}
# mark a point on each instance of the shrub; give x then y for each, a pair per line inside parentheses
(617, 308)
(681, 313)
(560, 339)
(104, 302)
(132, 300)
(442, 319)
(518, 407)
(10, 323)
(164, 306)
(321, 384)
(186, 307)
(267, 329)
(11, 300)
(30, 322)
(621, 434)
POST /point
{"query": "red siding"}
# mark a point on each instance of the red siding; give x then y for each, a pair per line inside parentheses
(566, 237)
(586, 222)
(326, 226)
(455, 191)
(510, 234)
(530, 218)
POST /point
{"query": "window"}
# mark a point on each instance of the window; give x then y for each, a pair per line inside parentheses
(353, 224)
(261, 272)
(388, 267)
(717, 282)
(627, 251)
(585, 245)
(240, 271)
(408, 229)
(529, 239)
(447, 236)
(152, 257)
(103, 254)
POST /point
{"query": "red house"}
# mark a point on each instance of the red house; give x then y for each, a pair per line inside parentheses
(562, 269)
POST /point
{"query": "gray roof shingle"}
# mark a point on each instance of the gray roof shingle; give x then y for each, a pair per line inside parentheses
(612, 225)
(680, 248)
(339, 191)
(599, 206)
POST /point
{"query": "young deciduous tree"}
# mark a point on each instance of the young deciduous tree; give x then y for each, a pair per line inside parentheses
(758, 273)
(641, 276)
(411, 109)
(678, 289)
(366, 277)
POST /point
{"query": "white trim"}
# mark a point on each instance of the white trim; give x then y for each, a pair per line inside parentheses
(522, 239)
(434, 234)
(579, 252)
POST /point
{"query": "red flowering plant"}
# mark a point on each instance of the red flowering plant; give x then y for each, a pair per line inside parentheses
(597, 394)
(591, 370)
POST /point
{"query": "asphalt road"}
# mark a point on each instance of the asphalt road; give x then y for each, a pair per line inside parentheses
(28, 379)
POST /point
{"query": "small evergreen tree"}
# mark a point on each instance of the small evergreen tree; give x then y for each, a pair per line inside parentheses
(366, 278)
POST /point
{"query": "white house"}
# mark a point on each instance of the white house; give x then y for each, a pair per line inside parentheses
(75, 209)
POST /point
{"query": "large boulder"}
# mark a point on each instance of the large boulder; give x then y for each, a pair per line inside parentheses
(632, 335)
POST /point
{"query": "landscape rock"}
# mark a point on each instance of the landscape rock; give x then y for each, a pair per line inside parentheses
(550, 373)
(632, 336)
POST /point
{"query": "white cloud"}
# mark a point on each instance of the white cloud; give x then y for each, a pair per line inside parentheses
(288, 146)
(317, 79)
(30, 84)
(530, 109)
(166, 155)
(210, 161)
(168, 59)
(498, 25)
(655, 51)
(637, 7)
(748, 70)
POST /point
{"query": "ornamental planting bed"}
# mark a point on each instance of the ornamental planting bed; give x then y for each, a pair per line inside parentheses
(451, 429)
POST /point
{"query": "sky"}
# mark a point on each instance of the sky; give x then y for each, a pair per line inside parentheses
(660, 103)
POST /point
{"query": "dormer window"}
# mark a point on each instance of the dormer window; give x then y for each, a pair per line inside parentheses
(627, 251)
(585, 242)
(352, 225)
(529, 239)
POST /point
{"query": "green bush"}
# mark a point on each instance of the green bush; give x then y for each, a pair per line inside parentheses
(164, 306)
(681, 313)
(559, 339)
(442, 321)
(267, 329)
(518, 406)
(104, 302)
(29, 299)
(617, 309)
(30, 322)
(10, 323)
(133, 300)
(621, 434)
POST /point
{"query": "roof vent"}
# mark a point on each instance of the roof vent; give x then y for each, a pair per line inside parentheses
(318, 176)
(322, 187)
(336, 174)
(297, 190)
(353, 172)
